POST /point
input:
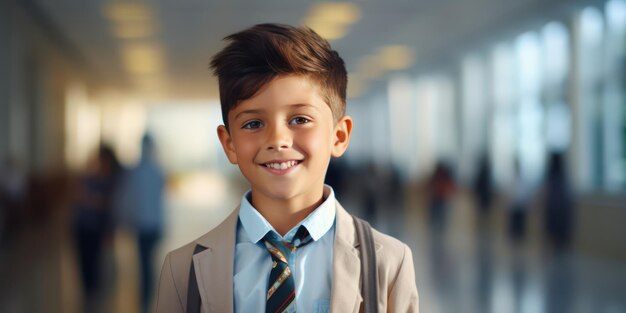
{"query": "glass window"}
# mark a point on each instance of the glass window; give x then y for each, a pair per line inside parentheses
(379, 128)
(474, 114)
(444, 124)
(403, 121)
(614, 97)
(530, 143)
(587, 165)
(555, 51)
(502, 149)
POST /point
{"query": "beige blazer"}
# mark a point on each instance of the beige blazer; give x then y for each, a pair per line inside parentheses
(397, 291)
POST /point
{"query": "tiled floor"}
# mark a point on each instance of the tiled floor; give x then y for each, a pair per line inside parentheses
(481, 270)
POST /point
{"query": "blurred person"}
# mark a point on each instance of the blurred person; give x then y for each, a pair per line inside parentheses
(289, 246)
(140, 202)
(521, 194)
(393, 198)
(559, 210)
(483, 189)
(518, 214)
(483, 197)
(371, 191)
(440, 189)
(13, 188)
(383, 197)
(93, 222)
(380, 195)
(337, 175)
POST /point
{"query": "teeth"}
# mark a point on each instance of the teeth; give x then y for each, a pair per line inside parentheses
(282, 165)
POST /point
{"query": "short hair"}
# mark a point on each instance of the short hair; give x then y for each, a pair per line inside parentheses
(257, 55)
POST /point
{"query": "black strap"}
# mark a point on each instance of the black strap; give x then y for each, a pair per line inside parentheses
(369, 272)
(193, 295)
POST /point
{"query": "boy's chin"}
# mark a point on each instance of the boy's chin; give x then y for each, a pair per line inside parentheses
(282, 193)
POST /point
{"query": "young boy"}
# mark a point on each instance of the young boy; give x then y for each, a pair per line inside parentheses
(289, 246)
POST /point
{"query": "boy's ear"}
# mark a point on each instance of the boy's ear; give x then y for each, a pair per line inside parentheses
(227, 143)
(342, 132)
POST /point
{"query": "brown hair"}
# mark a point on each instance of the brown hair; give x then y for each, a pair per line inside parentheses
(259, 54)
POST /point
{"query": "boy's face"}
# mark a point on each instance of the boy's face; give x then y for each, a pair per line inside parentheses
(283, 137)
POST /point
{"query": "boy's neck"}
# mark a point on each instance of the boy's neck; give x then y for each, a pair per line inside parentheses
(284, 214)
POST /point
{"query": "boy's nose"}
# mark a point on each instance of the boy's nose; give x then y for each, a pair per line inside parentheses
(278, 138)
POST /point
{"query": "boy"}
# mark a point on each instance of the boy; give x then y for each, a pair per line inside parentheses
(289, 245)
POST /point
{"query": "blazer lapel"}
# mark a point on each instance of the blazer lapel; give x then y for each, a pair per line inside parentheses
(214, 266)
(345, 290)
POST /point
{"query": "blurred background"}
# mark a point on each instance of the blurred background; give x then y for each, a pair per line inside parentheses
(489, 135)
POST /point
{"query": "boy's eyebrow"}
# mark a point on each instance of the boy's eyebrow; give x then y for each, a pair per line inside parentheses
(251, 111)
(300, 105)
(257, 111)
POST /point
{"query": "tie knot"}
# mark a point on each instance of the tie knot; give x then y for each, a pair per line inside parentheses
(280, 249)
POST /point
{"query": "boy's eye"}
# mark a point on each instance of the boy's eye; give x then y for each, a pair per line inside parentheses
(300, 120)
(252, 125)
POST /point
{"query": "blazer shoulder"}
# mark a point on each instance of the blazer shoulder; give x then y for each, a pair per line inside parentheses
(389, 249)
(174, 280)
(392, 255)
(396, 275)
(180, 258)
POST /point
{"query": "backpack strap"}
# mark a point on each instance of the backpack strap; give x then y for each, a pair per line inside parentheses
(193, 295)
(369, 273)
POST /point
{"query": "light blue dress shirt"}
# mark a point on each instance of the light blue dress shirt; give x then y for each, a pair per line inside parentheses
(312, 271)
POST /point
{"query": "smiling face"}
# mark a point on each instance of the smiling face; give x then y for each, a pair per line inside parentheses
(282, 139)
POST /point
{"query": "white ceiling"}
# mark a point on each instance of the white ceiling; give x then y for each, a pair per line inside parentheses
(190, 31)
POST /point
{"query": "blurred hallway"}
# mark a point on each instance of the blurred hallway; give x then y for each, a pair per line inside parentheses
(494, 91)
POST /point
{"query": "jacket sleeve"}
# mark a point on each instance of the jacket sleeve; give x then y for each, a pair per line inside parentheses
(403, 295)
(168, 298)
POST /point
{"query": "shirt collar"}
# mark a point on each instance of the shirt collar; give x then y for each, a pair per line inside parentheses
(317, 223)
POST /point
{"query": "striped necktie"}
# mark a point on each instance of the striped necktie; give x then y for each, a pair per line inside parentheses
(281, 291)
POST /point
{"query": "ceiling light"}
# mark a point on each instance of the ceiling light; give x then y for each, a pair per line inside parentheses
(331, 20)
(128, 11)
(339, 13)
(133, 30)
(142, 58)
(396, 57)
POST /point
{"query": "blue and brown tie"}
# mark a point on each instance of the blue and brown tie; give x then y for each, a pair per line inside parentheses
(281, 291)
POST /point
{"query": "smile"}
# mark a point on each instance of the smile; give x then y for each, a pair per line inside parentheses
(282, 165)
